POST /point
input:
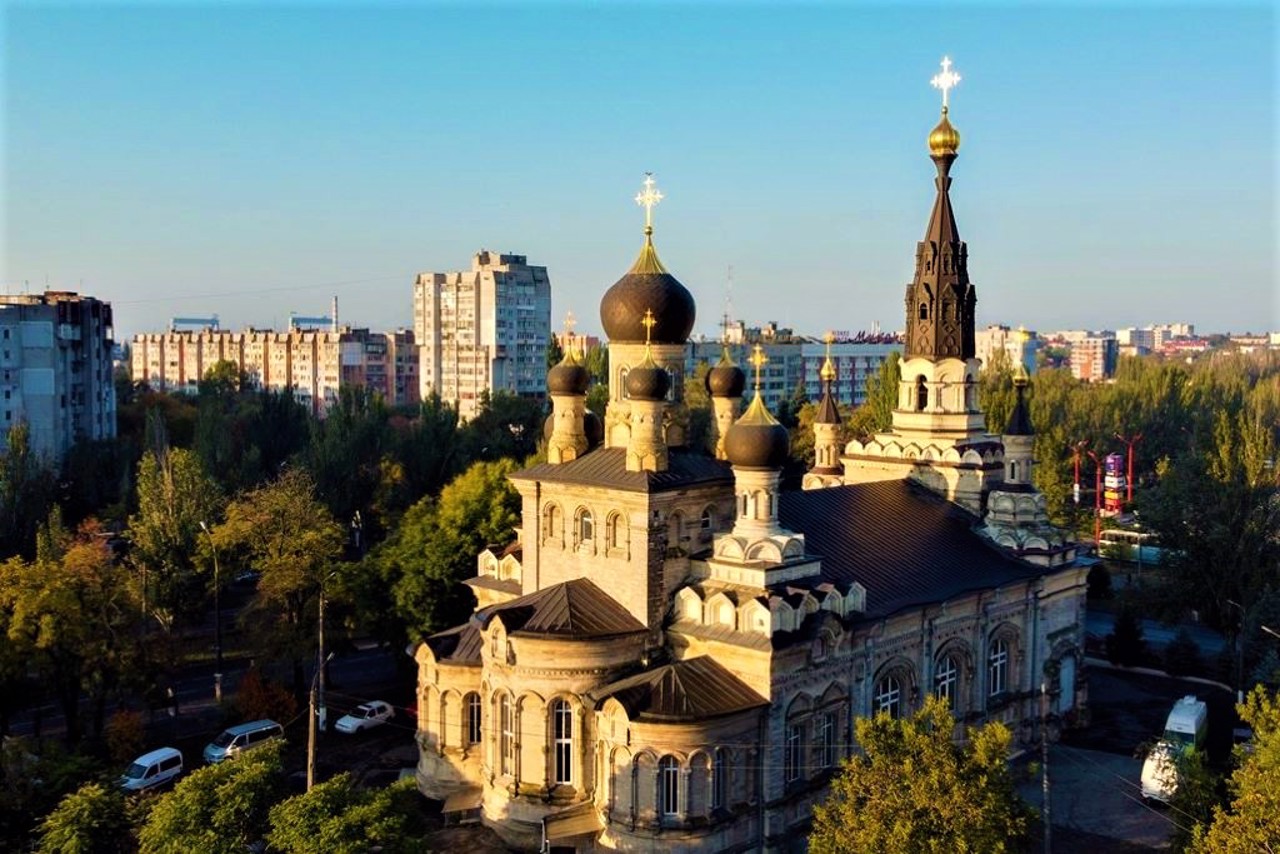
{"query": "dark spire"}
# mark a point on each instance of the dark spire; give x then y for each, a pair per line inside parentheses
(1020, 419)
(940, 300)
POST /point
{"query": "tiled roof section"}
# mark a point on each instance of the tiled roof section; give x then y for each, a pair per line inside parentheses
(682, 691)
(458, 645)
(905, 545)
(571, 609)
(608, 467)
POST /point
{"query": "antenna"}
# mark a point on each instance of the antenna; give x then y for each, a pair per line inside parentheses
(728, 306)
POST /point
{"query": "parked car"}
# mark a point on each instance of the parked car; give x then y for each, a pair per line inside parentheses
(237, 739)
(152, 770)
(365, 716)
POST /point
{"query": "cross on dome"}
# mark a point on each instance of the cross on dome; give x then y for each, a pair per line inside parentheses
(648, 198)
(828, 371)
(758, 360)
(946, 80)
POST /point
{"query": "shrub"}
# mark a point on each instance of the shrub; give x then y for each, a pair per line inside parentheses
(260, 697)
(1182, 655)
(126, 735)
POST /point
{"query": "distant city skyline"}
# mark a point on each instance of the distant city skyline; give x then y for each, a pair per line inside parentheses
(1118, 164)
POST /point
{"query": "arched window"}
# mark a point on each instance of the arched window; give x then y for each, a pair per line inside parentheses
(586, 526)
(622, 383)
(1013, 470)
(946, 678)
(888, 697)
(562, 741)
(507, 735)
(793, 764)
(924, 311)
(998, 667)
(474, 730)
(616, 531)
(922, 394)
(668, 787)
(719, 779)
(552, 522)
(707, 521)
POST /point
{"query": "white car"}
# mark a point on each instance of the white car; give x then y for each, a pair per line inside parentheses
(365, 716)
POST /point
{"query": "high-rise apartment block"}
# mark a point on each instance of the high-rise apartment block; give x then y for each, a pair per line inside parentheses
(55, 368)
(314, 364)
(1093, 358)
(483, 330)
(1020, 345)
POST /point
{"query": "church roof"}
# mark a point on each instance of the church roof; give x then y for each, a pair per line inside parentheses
(571, 609)
(607, 467)
(905, 545)
(681, 691)
(458, 645)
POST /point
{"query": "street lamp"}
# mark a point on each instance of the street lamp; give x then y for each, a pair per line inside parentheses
(1130, 441)
(217, 617)
(1239, 652)
(1097, 500)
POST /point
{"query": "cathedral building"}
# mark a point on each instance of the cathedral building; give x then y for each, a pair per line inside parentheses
(673, 650)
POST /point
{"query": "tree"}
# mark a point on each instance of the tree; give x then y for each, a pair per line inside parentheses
(698, 403)
(33, 779)
(554, 352)
(175, 495)
(1249, 823)
(507, 426)
(283, 531)
(26, 492)
(90, 820)
(914, 789)
(996, 396)
(876, 414)
(218, 809)
(435, 548)
(1194, 798)
(337, 817)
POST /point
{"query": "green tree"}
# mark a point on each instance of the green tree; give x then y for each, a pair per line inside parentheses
(33, 779)
(218, 809)
(26, 492)
(283, 531)
(507, 426)
(1248, 825)
(337, 817)
(876, 414)
(996, 396)
(555, 353)
(425, 560)
(1194, 798)
(914, 789)
(90, 820)
(175, 495)
(698, 402)
(346, 451)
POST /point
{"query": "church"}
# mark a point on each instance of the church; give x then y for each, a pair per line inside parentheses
(673, 650)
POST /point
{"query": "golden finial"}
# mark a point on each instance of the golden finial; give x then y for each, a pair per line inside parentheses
(828, 371)
(569, 322)
(648, 198)
(1020, 375)
(648, 321)
(946, 81)
(758, 360)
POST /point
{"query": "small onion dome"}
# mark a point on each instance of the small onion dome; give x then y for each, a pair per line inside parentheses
(648, 381)
(568, 377)
(944, 139)
(594, 428)
(726, 379)
(648, 286)
(757, 440)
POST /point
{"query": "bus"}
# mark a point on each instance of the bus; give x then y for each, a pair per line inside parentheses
(1137, 547)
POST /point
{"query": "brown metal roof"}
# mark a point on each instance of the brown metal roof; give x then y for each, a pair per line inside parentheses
(682, 691)
(458, 645)
(607, 467)
(577, 609)
(905, 545)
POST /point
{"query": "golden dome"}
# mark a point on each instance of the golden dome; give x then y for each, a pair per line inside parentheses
(944, 139)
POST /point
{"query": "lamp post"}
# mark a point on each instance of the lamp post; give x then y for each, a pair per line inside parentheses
(217, 617)
(1239, 651)
(1131, 441)
(1076, 449)
(1097, 500)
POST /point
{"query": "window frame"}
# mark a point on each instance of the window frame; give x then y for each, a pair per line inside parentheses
(669, 773)
(475, 719)
(946, 682)
(887, 696)
(997, 666)
(562, 742)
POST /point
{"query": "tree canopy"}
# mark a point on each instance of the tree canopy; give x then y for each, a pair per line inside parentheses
(337, 817)
(913, 789)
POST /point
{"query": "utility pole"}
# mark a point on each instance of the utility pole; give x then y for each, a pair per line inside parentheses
(1131, 441)
(320, 657)
(1044, 762)
(217, 617)
(311, 736)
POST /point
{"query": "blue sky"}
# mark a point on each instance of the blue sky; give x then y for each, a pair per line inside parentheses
(1118, 164)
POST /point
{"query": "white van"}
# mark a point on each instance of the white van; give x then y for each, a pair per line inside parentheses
(1184, 731)
(152, 770)
(237, 739)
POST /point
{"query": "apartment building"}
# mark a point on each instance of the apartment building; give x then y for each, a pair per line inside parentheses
(1093, 358)
(484, 329)
(55, 368)
(1020, 345)
(315, 363)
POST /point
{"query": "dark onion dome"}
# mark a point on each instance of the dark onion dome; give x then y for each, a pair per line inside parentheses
(648, 381)
(568, 377)
(757, 440)
(594, 428)
(648, 286)
(726, 379)
(1020, 420)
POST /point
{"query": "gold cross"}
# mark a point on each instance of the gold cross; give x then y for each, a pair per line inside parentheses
(945, 81)
(647, 199)
(758, 360)
(569, 322)
(649, 322)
